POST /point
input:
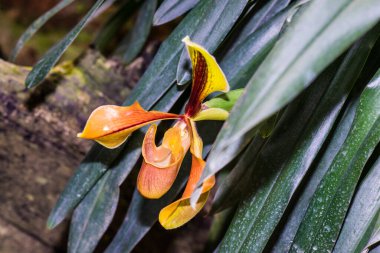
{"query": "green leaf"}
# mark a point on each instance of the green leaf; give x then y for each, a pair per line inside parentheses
(246, 57)
(254, 20)
(117, 20)
(362, 216)
(225, 101)
(328, 207)
(43, 66)
(218, 227)
(293, 220)
(85, 177)
(316, 36)
(143, 213)
(237, 182)
(264, 169)
(171, 9)
(95, 220)
(375, 237)
(263, 210)
(132, 44)
(156, 81)
(36, 25)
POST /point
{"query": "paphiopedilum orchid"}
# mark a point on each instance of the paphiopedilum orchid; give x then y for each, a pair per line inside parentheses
(111, 125)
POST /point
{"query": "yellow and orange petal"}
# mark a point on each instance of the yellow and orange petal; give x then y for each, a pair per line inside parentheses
(180, 212)
(110, 125)
(161, 164)
(207, 76)
(196, 146)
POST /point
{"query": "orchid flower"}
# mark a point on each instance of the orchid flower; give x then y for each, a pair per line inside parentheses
(111, 125)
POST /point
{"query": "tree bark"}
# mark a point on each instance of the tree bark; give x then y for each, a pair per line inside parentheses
(38, 145)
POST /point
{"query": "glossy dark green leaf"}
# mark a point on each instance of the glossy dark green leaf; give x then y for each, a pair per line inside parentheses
(218, 227)
(132, 44)
(328, 207)
(363, 214)
(294, 218)
(373, 244)
(280, 145)
(317, 35)
(233, 187)
(85, 177)
(36, 25)
(247, 56)
(262, 211)
(254, 19)
(143, 213)
(115, 23)
(107, 4)
(171, 9)
(44, 65)
(156, 81)
(95, 220)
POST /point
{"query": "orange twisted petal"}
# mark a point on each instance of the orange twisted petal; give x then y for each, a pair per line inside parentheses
(180, 212)
(161, 164)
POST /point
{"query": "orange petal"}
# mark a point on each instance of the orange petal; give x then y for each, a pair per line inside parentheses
(207, 76)
(180, 212)
(110, 125)
(154, 182)
(161, 164)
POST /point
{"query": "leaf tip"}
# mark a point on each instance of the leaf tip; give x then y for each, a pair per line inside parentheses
(52, 221)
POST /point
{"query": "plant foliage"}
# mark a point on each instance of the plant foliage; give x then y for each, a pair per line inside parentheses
(300, 150)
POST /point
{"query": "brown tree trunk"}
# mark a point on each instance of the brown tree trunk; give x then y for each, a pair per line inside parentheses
(38, 145)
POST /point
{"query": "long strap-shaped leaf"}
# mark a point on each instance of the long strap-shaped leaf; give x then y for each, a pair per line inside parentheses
(43, 66)
(315, 37)
(115, 23)
(171, 9)
(325, 214)
(373, 242)
(266, 209)
(364, 211)
(36, 25)
(294, 218)
(157, 80)
(255, 19)
(132, 44)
